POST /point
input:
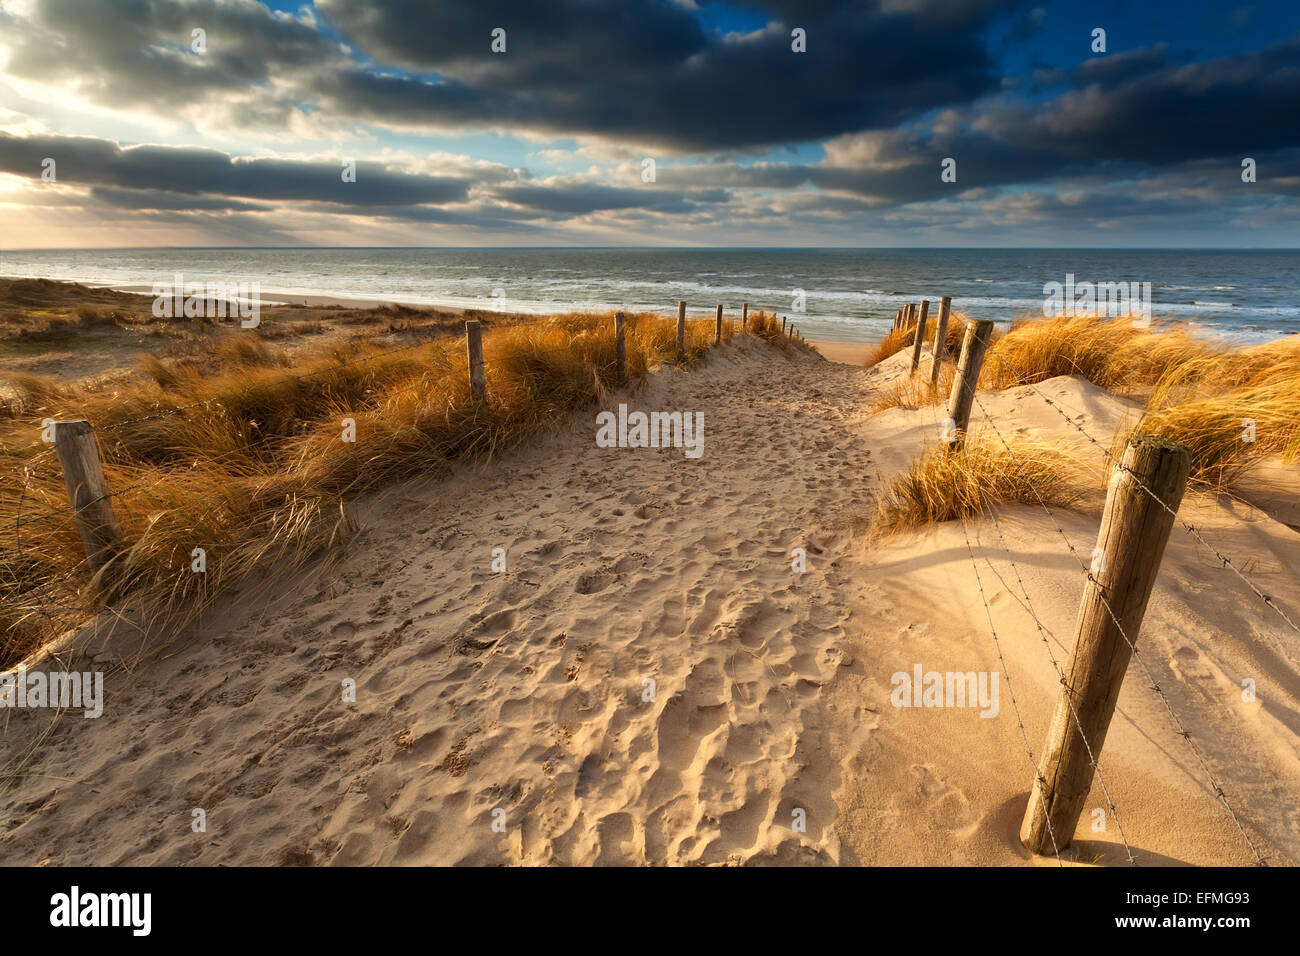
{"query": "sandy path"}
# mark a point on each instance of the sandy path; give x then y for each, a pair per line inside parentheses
(525, 692)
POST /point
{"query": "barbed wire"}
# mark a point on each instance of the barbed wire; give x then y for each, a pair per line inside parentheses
(1224, 560)
(1060, 674)
(1024, 736)
(1179, 728)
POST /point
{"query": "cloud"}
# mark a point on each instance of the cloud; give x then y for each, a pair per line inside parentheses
(642, 71)
(196, 172)
(751, 139)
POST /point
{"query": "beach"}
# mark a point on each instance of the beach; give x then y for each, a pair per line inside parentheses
(573, 654)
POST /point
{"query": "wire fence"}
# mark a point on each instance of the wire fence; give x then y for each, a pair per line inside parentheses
(1179, 726)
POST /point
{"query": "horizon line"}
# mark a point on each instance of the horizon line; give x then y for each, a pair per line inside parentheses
(879, 248)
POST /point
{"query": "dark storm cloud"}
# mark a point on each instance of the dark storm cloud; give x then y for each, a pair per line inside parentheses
(161, 179)
(1145, 119)
(140, 51)
(647, 71)
(194, 171)
(158, 200)
(1228, 106)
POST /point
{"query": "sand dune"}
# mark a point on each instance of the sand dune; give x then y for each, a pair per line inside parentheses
(526, 691)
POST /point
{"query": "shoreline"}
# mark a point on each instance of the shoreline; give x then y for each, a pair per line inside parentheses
(848, 353)
(843, 335)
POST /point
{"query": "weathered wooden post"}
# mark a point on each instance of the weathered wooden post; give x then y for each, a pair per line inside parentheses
(920, 335)
(940, 337)
(474, 342)
(898, 319)
(1134, 531)
(744, 316)
(83, 474)
(620, 347)
(973, 347)
(783, 325)
(681, 327)
(718, 339)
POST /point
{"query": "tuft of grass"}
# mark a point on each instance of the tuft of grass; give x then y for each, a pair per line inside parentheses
(246, 350)
(1111, 353)
(766, 326)
(899, 339)
(891, 344)
(945, 485)
(1197, 392)
(28, 392)
(1230, 431)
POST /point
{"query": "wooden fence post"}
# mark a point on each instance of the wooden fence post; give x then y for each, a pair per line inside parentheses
(681, 327)
(898, 319)
(744, 316)
(1134, 531)
(940, 336)
(783, 325)
(908, 311)
(74, 443)
(920, 335)
(474, 342)
(718, 339)
(620, 346)
(973, 347)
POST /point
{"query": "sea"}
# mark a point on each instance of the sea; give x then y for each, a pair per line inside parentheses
(846, 295)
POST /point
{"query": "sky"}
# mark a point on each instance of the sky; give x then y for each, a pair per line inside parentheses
(129, 123)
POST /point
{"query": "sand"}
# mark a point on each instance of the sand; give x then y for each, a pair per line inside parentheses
(850, 353)
(526, 692)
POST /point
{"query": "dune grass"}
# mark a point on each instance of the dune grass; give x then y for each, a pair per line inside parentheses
(251, 464)
(1114, 354)
(943, 485)
(1201, 393)
(766, 326)
(899, 339)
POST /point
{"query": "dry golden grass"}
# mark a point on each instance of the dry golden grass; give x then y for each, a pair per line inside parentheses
(943, 485)
(899, 339)
(915, 391)
(250, 464)
(1111, 353)
(1200, 393)
(1229, 431)
(893, 343)
(766, 326)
